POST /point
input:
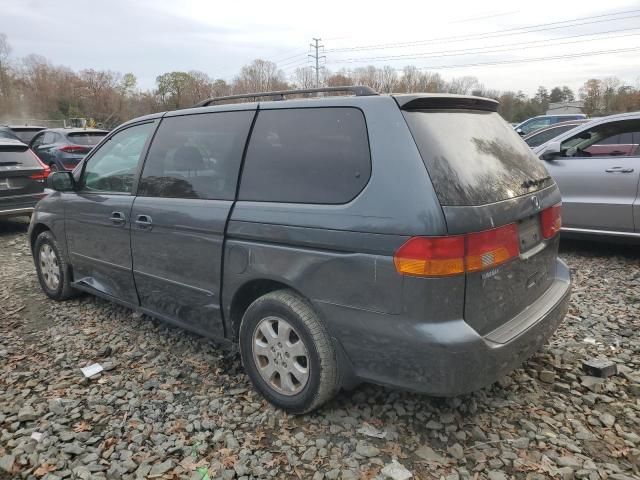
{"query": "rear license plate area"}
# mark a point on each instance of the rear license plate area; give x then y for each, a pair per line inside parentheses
(529, 233)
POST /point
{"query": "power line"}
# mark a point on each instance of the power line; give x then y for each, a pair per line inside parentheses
(483, 50)
(316, 45)
(528, 60)
(494, 34)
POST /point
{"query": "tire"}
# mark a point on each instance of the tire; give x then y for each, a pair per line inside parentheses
(53, 167)
(282, 308)
(45, 267)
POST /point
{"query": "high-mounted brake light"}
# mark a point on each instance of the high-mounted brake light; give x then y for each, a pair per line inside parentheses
(456, 254)
(551, 220)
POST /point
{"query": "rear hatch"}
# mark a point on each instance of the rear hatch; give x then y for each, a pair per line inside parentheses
(21, 173)
(493, 191)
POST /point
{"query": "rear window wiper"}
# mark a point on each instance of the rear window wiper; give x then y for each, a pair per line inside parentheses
(9, 164)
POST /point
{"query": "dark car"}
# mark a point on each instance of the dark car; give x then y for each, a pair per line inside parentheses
(6, 132)
(406, 240)
(22, 178)
(63, 148)
(543, 135)
(26, 132)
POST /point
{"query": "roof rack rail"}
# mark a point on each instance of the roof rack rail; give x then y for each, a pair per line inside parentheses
(357, 90)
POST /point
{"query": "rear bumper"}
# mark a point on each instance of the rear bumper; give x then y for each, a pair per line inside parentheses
(450, 358)
(19, 205)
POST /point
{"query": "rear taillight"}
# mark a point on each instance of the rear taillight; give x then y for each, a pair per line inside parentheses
(491, 248)
(453, 255)
(42, 175)
(74, 149)
(431, 256)
(551, 220)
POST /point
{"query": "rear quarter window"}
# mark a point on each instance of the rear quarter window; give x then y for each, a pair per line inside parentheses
(307, 155)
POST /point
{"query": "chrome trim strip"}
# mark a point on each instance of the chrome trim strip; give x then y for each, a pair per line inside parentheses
(600, 232)
(16, 211)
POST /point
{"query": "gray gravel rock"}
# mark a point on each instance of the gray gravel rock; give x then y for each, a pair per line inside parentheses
(170, 400)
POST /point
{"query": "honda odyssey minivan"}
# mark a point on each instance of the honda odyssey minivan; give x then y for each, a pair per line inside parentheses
(405, 240)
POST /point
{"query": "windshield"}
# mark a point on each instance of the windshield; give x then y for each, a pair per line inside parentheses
(475, 157)
(539, 138)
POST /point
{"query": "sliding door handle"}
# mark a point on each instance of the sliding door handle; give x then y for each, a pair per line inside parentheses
(117, 218)
(144, 222)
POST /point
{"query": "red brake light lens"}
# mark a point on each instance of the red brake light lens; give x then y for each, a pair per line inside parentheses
(551, 220)
(45, 170)
(74, 149)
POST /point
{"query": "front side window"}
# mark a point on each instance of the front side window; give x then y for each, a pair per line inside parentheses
(113, 167)
(615, 139)
(196, 156)
(307, 155)
(37, 141)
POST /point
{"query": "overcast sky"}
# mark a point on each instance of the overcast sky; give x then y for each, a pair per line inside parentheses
(150, 37)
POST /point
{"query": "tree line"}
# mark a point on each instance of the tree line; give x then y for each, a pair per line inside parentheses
(33, 88)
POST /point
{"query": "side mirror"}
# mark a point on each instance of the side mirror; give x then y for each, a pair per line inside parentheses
(519, 131)
(552, 151)
(61, 181)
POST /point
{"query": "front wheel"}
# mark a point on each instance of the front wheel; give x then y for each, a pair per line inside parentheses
(53, 271)
(287, 352)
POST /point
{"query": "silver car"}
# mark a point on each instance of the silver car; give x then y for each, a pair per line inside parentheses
(597, 167)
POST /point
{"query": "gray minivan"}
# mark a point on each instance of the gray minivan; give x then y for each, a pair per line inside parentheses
(405, 240)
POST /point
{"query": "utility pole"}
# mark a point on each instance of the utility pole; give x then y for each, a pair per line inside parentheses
(316, 45)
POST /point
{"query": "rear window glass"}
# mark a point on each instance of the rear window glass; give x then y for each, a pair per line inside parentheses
(307, 155)
(26, 135)
(475, 157)
(86, 138)
(17, 157)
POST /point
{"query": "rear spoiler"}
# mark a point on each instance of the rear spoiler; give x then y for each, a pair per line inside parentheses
(445, 102)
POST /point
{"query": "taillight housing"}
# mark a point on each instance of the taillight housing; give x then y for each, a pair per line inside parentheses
(74, 149)
(551, 220)
(457, 254)
(42, 175)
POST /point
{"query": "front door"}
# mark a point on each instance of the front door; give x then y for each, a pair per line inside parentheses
(97, 215)
(186, 192)
(598, 179)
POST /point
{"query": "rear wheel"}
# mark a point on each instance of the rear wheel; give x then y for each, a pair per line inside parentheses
(287, 352)
(53, 271)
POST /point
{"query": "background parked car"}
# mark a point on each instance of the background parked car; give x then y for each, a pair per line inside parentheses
(541, 121)
(6, 132)
(63, 148)
(597, 167)
(22, 177)
(26, 132)
(543, 135)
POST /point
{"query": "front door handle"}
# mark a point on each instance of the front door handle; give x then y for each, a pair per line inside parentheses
(117, 218)
(619, 170)
(144, 221)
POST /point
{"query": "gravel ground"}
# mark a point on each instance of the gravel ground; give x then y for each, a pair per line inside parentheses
(172, 405)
